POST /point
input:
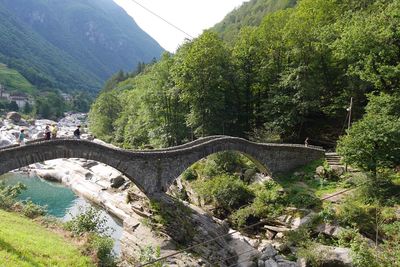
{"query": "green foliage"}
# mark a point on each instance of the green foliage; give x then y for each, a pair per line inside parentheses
(8, 194)
(76, 47)
(372, 143)
(88, 221)
(362, 254)
(25, 242)
(250, 13)
(189, 175)
(148, 254)
(14, 81)
(103, 114)
(49, 105)
(226, 192)
(102, 246)
(173, 216)
(31, 210)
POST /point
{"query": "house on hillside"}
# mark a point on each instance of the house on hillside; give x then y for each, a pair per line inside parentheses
(3, 94)
(20, 98)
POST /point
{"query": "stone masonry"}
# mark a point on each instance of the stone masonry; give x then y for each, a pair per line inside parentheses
(153, 171)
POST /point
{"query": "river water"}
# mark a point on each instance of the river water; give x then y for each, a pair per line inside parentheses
(61, 201)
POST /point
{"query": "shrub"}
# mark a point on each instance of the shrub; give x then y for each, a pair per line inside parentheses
(31, 210)
(8, 194)
(102, 246)
(148, 254)
(89, 220)
(189, 175)
(225, 192)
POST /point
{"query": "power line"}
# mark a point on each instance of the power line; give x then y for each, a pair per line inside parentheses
(166, 21)
(233, 232)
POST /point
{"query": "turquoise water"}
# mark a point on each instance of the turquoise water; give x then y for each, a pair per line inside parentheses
(61, 201)
(58, 199)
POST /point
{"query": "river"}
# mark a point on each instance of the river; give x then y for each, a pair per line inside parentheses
(61, 201)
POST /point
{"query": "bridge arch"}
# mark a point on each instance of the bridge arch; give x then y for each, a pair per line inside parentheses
(154, 171)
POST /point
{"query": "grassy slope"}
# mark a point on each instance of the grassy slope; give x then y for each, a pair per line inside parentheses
(13, 80)
(25, 243)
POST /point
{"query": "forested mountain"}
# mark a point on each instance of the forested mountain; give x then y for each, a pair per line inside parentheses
(249, 14)
(75, 44)
(289, 78)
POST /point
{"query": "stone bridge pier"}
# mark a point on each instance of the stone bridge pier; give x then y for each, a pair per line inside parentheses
(153, 171)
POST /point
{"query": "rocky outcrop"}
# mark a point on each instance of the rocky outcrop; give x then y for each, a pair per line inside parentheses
(14, 116)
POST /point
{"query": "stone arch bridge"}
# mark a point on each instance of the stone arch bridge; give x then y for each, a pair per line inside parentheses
(153, 171)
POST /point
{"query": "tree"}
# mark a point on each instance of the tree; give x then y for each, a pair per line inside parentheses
(13, 106)
(203, 74)
(103, 114)
(373, 142)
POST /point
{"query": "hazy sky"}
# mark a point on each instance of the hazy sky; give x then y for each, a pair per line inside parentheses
(192, 16)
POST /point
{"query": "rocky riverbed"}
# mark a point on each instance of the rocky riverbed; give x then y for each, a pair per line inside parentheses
(109, 189)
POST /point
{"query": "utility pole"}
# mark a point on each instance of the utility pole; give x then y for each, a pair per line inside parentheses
(349, 109)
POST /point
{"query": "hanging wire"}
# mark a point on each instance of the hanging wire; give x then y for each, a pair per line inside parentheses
(166, 21)
(230, 233)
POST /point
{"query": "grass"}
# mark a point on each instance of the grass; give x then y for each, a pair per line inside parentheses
(307, 182)
(24, 242)
(14, 81)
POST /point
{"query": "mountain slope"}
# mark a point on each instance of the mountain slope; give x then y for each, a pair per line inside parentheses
(43, 64)
(249, 14)
(97, 35)
(13, 80)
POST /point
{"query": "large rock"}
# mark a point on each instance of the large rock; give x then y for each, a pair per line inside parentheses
(335, 256)
(268, 252)
(330, 230)
(14, 116)
(270, 263)
(5, 142)
(117, 182)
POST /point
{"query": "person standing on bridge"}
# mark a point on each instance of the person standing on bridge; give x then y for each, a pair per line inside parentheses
(54, 131)
(47, 133)
(21, 137)
(77, 132)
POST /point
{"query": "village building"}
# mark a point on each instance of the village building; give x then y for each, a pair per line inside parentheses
(20, 98)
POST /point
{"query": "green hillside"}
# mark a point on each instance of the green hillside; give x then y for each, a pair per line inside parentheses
(75, 44)
(249, 14)
(13, 80)
(26, 243)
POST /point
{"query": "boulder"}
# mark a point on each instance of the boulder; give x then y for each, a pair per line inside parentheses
(320, 171)
(247, 264)
(335, 256)
(268, 252)
(328, 229)
(14, 116)
(5, 142)
(337, 170)
(117, 182)
(270, 263)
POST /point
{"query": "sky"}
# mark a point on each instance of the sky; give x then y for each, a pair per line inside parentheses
(191, 16)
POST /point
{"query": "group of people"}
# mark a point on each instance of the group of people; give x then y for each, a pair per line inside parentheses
(49, 133)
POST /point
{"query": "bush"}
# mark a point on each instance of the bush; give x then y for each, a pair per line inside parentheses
(302, 199)
(8, 194)
(225, 192)
(88, 221)
(102, 246)
(189, 175)
(148, 254)
(31, 210)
